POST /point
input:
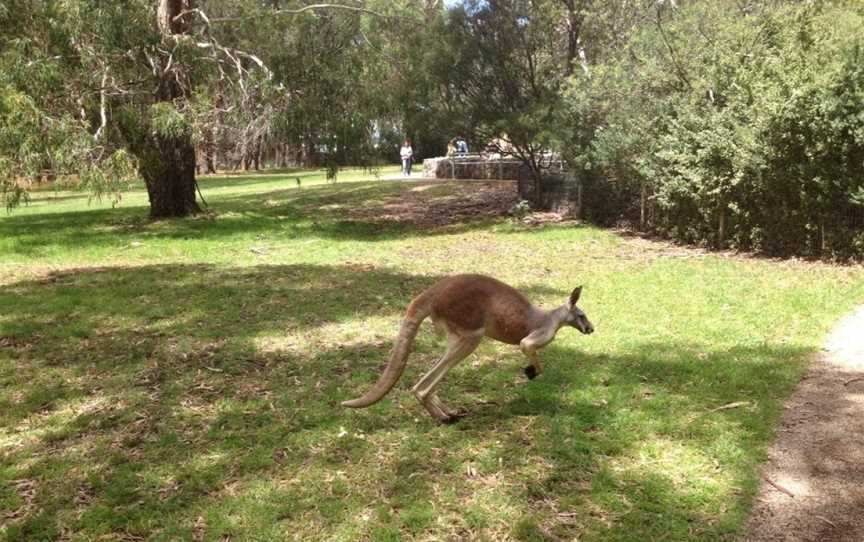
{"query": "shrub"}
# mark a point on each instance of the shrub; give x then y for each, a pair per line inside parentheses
(745, 129)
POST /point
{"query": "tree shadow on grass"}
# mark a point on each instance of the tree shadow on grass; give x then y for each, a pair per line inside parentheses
(204, 301)
(142, 401)
(121, 369)
(231, 179)
(107, 316)
(624, 447)
(366, 211)
(151, 385)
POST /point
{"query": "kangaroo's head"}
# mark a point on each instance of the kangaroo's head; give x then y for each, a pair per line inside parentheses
(576, 317)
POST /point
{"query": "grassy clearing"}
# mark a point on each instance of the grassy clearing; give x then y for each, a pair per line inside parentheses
(181, 379)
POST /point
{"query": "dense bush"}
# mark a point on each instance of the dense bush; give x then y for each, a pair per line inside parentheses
(745, 129)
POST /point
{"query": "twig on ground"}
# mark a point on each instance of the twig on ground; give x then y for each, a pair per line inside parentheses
(727, 406)
(857, 379)
(828, 521)
(778, 487)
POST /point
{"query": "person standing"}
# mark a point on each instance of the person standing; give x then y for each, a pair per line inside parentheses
(407, 155)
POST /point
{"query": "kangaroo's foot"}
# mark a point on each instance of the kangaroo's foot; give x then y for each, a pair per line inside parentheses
(433, 407)
(452, 414)
(530, 372)
(440, 411)
(454, 418)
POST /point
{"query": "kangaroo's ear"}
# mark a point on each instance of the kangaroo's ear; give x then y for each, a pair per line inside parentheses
(574, 297)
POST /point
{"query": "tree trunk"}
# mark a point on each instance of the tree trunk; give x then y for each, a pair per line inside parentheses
(538, 186)
(310, 156)
(643, 206)
(575, 19)
(167, 162)
(579, 199)
(210, 161)
(285, 155)
(536, 172)
(169, 173)
(206, 151)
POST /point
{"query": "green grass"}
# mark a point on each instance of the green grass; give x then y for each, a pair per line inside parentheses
(181, 379)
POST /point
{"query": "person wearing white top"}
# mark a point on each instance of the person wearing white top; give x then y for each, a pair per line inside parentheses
(407, 155)
(461, 145)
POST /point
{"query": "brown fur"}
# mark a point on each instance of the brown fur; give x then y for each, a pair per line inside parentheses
(470, 302)
(469, 307)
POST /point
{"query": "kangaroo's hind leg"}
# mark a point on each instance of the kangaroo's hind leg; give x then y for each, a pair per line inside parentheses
(459, 346)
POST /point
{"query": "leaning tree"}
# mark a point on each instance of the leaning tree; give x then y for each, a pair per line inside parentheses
(89, 89)
(101, 91)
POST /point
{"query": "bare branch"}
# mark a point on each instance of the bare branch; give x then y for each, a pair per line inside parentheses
(372, 46)
(583, 58)
(103, 106)
(673, 55)
(311, 7)
(194, 11)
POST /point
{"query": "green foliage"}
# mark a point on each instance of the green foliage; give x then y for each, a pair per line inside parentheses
(749, 120)
(113, 176)
(167, 122)
(86, 78)
(19, 138)
(506, 72)
(53, 66)
(742, 124)
(36, 147)
(324, 94)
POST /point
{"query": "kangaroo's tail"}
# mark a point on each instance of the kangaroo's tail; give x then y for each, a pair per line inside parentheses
(417, 311)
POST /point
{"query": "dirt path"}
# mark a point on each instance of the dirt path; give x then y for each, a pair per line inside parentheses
(813, 484)
(466, 201)
(402, 177)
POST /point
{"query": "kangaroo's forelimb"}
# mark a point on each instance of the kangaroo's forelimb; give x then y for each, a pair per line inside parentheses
(535, 340)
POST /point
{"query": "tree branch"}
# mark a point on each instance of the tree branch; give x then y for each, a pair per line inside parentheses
(678, 68)
(311, 7)
(103, 106)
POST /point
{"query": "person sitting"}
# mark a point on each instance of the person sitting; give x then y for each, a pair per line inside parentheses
(461, 145)
(499, 148)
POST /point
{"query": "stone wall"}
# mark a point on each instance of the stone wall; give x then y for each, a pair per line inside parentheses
(560, 190)
(471, 166)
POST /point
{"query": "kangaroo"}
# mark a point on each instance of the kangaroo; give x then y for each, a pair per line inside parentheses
(468, 308)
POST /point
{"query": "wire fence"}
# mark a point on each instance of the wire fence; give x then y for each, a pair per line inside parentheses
(559, 189)
(633, 205)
